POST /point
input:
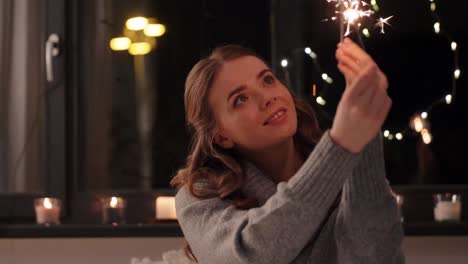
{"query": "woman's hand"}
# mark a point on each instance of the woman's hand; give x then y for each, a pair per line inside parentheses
(364, 104)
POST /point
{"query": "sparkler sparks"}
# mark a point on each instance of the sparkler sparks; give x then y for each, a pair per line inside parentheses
(381, 22)
(351, 12)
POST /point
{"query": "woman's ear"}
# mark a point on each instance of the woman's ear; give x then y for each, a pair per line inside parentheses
(222, 140)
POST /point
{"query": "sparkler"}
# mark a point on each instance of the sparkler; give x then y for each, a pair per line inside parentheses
(351, 14)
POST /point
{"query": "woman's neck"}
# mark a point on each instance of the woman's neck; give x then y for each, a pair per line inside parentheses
(279, 162)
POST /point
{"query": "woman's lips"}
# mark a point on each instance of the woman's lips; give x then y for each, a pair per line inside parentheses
(276, 117)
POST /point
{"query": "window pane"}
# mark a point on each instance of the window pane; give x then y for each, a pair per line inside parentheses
(22, 97)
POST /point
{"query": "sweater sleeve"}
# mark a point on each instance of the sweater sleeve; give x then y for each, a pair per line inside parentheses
(276, 232)
(368, 227)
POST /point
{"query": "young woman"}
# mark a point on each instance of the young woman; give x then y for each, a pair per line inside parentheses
(263, 184)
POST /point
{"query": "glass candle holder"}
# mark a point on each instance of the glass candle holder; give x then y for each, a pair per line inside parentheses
(113, 210)
(400, 201)
(165, 208)
(447, 207)
(47, 210)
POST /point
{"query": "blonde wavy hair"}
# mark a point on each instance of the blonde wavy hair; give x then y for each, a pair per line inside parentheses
(222, 168)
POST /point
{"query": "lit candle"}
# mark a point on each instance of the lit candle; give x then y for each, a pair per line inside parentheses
(447, 207)
(165, 208)
(47, 211)
(113, 210)
(399, 200)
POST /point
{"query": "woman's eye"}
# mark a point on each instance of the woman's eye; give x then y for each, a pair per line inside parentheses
(240, 99)
(268, 80)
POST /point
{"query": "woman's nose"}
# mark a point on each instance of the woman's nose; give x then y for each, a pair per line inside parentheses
(268, 101)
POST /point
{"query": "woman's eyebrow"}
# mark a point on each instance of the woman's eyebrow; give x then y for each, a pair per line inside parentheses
(242, 87)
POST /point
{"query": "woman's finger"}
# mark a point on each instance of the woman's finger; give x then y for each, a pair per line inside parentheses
(347, 60)
(349, 74)
(355, 52)
(383, 81)
(362, 85)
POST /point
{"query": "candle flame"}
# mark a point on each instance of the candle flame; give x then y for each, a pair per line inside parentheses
(47, 203)
(113, 202)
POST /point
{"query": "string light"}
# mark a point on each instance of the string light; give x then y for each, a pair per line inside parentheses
(437, 27)
(309, 52)
(419, 122)
(320, 101)
(374, 5)
(453, 45)
(327, 78)
(448, 98)
(366, 33)
(426, 136)
(284, 63)
(386, 133)
(399, 136)
(456, 74)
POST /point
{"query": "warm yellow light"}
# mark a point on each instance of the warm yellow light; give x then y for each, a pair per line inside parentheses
(374, 5)
(433, 7)
(320, 101)
(386, 133)
(136, 23)
(426, 136)
(418, 124)
(399, 136)
(122, 43)
(139, 48)
(453, 45)
(448, 98)
(47, 203)
(113, 202)
(366, 32)
(437, 27)
(154, 30)
(284, 63)
(327, 78)
(456, 73)
(165, 208)
(309, 52)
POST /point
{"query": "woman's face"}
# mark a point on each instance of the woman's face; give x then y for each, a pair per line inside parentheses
(253, 110)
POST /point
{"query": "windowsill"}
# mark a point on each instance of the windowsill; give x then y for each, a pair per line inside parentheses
(436, 229)
(172, 229)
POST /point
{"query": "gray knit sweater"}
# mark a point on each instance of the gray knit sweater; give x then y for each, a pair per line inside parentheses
(337, 208)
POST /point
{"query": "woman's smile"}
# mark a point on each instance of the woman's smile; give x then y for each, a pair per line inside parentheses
(277, 118)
